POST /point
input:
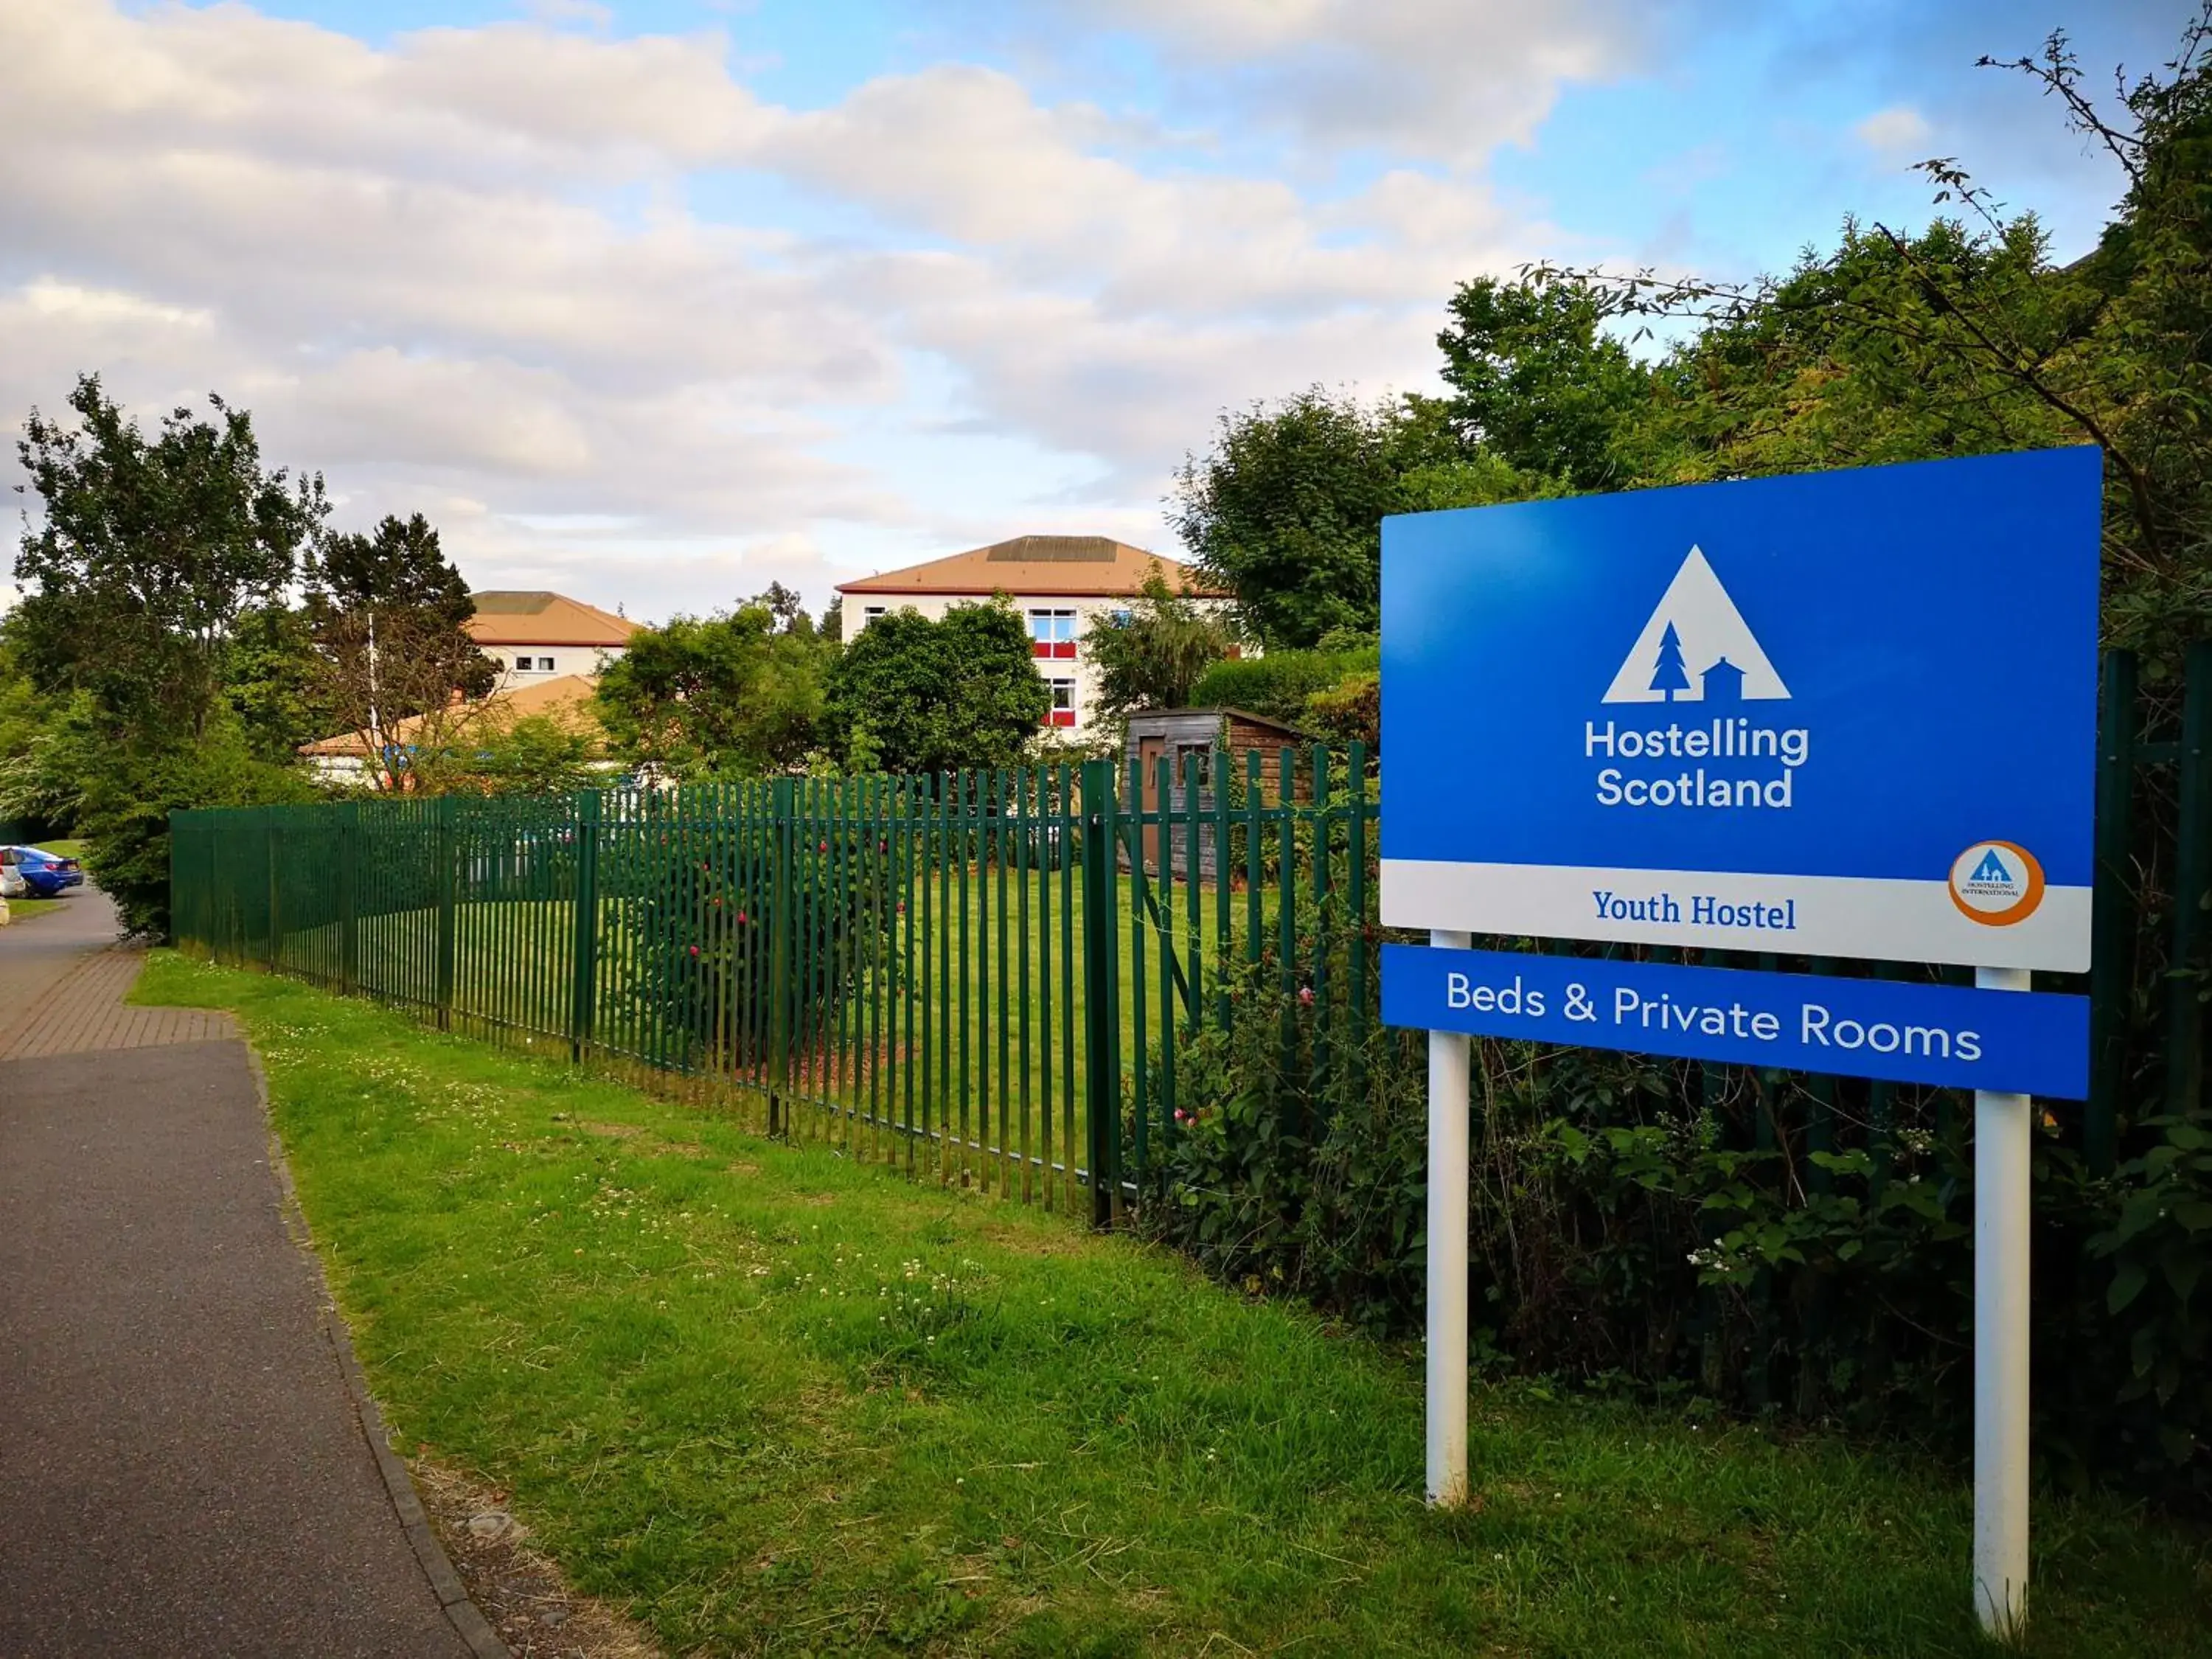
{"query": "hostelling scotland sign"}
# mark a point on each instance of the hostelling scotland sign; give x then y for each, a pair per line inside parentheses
(1843, 714)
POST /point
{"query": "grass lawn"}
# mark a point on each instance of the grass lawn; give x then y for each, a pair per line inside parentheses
(22, 910)
(67, 848)
(779, 1403)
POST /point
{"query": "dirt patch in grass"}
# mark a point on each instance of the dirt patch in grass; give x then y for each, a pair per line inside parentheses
(612, 1131)
(1038, 1241)
(518, 1590)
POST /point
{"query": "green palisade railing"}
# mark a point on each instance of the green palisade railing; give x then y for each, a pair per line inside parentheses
(995, 978)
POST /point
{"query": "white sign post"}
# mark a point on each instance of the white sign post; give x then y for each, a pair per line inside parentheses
(1448, 1116)
(2003, 1143)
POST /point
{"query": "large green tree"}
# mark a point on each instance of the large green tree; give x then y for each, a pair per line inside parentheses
(739, 695)
(1536, 380)
(1285, 510)
(913, 695)
(145, 565)
(146, 551)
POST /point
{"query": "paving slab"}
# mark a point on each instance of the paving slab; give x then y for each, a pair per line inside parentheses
(37, 950)
(183, 1470)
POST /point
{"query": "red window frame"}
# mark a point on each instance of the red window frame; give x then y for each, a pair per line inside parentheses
(1048, 645)
(1057, 715)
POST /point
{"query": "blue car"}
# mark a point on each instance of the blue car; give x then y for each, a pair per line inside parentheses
(48, 875)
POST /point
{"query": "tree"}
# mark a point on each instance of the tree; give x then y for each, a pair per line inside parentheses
(723, 695)
(1536, 381)
(786, 610)
(149, 560)
(918, 696)
(1670, 676)
(532, 754)
(45, 743)
(399, 566)
(147, 552)
(275, 679)
(1151, 656)
(388, 612)
(1965, 338)
(1286, 509)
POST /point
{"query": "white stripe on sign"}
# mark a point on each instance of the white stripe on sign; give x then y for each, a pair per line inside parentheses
(1793, 915)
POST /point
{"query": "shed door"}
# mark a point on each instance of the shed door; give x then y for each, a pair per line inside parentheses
(1148, 752)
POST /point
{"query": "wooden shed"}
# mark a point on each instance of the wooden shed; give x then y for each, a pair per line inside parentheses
(1196, 735)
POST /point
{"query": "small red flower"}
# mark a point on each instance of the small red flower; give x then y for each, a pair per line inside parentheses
(823, 847)
(716, 900)
(741, 918)
(695, 950)
(1305, 995)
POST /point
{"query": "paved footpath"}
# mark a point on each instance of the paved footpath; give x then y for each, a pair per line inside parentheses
(183, 1470)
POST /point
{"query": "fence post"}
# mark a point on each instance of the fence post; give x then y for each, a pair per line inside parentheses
(268, 858)
(2193, 889)
(783, 815)
(1101, 1009)
(2112, 912)
(448, 856)
(348, 897)
(584, 955)
(178, 926)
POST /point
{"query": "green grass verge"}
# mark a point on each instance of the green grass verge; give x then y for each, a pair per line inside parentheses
(778, 1403)
(22, 910)
(70, 848)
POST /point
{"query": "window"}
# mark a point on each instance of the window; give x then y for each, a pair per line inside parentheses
(870, 613)
(1123, 615)
(545, 664)
(1063, 703)
(1051, 634)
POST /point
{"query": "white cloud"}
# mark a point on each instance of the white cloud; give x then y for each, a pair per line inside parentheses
(1447, 79)
(1897, 134)
(470, 271)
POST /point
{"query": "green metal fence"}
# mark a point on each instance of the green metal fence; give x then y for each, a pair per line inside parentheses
(995, 977)
(986, 976)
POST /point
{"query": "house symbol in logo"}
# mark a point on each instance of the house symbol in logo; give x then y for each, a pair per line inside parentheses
(1697, 648)
(1991, 869)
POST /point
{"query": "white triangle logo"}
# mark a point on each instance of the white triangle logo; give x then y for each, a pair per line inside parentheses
(1696, 648)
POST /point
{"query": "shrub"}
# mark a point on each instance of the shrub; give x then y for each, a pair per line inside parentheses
(1668, 1228)
(1279, 685)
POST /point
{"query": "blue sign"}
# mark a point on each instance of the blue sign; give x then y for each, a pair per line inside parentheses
(2016, 1042)
(1845, 713)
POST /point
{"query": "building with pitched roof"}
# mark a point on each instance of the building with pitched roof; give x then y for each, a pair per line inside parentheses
(537, 636)
(565, 699)
(1058, 584)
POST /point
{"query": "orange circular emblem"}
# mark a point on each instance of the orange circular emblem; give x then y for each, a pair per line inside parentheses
(1996, 882)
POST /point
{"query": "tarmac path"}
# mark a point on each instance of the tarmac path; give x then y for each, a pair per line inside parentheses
(184, 1470)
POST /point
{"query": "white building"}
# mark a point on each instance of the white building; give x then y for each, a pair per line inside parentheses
(535, 637)
(1057, 583)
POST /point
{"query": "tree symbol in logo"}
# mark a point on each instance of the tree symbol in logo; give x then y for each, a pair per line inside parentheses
(1670, 676)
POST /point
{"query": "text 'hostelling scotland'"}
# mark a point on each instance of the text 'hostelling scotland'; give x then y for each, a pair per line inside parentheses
(1725, 738)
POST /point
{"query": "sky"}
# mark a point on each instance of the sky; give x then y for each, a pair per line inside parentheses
(655, 303)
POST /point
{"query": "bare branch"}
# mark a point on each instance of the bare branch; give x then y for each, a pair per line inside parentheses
(2060, 74)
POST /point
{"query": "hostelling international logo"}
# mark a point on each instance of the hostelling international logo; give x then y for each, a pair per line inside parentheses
(1996, 882)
